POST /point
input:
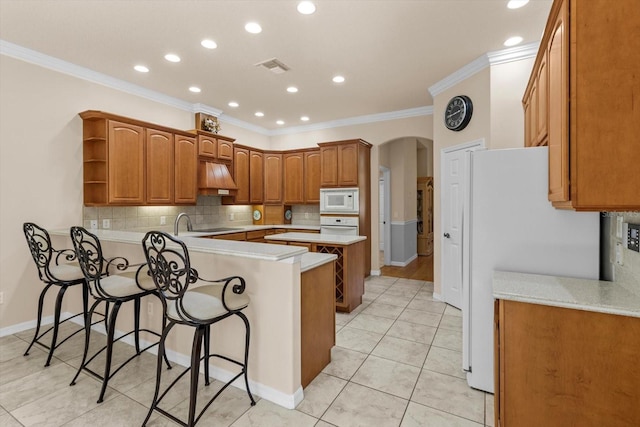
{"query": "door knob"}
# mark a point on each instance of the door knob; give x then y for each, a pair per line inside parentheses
(447, 235)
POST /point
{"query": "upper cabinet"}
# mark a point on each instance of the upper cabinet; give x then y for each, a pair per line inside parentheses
(272, 178)
(129, 162)
(241, 174)
(344, 163)
(312, 176)
(293, 177)
(582, 101)
(214, 147)
(256, 176)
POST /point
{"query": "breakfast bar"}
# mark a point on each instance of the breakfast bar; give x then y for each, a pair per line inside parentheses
(273, 275)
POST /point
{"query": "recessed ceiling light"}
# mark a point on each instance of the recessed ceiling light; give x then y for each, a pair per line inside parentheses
(253, 28)
(141, 69)
(195, 89)
(233, 104)
(516, 4)
(512, 41)
(259, 114)
(280, 122)
(292, 89)
(338, 79)
(306, 7)
(304, 118)
(171, 57)
(209, 44)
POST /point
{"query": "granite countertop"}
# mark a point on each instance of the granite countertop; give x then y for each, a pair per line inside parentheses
(582, 294)
(262, 251)
(311, 260)
(335, 239)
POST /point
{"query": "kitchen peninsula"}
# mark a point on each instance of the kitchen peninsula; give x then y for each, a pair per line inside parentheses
(275, 277)
(350, 264)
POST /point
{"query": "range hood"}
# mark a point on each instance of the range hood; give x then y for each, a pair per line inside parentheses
(214, 179)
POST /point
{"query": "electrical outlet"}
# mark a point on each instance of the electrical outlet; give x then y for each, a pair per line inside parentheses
(1, 297)
(306, 215)
(231, 216)
(163, 220)
(94, 224)
(106, 223)
(150, 308)
(619, 254)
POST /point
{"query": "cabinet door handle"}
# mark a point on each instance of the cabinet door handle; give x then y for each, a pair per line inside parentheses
(447, 235)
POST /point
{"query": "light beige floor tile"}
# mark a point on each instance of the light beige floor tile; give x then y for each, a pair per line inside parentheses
(267, 414)
(401, 291)
(425, 296)
(64, 330)
(321, 423)
(339, 327)
(420, 317)
(344, 362)
(6, 420)
(119, 411)
(422, 416)
(22, 366)
(228, 407)
(448, 338)
(387, 376)
(385, 281)
(403, 351)
(426, 305)
(143, 393)
(452, 311)
(367, 322)
(489, 415)
(361, 406)
(399, 301)
(445, 361)
(428, 286)
(12, 346)
(320, 394)
(30, 388)
(383, 310)
(63, 405)
(344, 318)
(368, 298)
(412, 331)
(357, 339)
(410, 283)
(449, 394)
(374, 288)
(451, 322)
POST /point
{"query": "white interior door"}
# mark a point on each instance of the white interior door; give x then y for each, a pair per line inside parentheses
(454, 193)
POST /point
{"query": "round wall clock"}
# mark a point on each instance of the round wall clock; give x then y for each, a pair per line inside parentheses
(287, 215)
(458, 113)
(257, 215)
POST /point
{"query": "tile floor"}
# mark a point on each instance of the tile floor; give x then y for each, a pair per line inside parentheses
(396, 363)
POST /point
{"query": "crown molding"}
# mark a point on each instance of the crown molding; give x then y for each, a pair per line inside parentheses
(490, 58)
(55, 64)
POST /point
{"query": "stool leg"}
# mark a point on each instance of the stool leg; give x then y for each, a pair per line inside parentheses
(246, 355)
(39, 321)
(136, 324)
(207, 342)
(87, 336)
(56, 323)
(85, 301)
(195, 372)
(112, 328)
(161, 351)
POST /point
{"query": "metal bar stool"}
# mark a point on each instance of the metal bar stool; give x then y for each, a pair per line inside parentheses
(199, 307)
(118, 288)
(55, 268)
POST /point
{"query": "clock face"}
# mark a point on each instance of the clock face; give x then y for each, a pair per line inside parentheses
(257, 215)
(458, 112)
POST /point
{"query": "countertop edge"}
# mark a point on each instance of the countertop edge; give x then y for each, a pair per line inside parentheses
(311, 260)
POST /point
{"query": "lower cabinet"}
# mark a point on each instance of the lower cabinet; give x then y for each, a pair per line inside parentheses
(317, 320)
(565, 367)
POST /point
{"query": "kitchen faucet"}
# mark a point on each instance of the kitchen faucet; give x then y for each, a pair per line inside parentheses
(175, 224)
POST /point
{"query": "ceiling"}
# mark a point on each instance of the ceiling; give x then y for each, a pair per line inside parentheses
(390, 52)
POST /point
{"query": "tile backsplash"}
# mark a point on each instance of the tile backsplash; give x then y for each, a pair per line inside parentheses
(628, 274)
(208, 210)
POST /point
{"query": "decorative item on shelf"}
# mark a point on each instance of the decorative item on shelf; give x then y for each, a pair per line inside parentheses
(207, 123)
(258, 215)
(287, 214)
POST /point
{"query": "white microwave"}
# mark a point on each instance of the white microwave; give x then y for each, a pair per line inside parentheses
(339, 200)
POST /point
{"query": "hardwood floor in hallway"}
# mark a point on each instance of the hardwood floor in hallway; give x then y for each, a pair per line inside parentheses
(419, 269)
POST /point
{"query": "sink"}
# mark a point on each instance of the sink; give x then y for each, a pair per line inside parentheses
(215, 230)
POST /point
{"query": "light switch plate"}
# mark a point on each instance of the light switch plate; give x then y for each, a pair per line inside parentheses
(94, 224)
(163, 220)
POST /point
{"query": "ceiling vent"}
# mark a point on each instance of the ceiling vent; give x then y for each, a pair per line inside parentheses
(273, 65)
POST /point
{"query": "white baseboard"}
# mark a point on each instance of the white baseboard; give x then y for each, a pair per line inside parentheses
(375, 272)
(405, 263)
(438, 297)
(289, 401)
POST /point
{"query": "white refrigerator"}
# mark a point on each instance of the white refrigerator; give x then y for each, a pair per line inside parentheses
(513, 227)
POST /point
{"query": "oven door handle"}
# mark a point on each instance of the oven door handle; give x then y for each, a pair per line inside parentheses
(338, 227)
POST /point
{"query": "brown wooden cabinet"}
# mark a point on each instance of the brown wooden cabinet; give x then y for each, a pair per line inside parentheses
(272, 178)
(293, 178)
(130, 162)
(312, 176)
(159, 167)
(589, 105)
(256, 176)
(207, 145)
(186, 170)
(241, 175)
(225, 148)
(564, 367)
